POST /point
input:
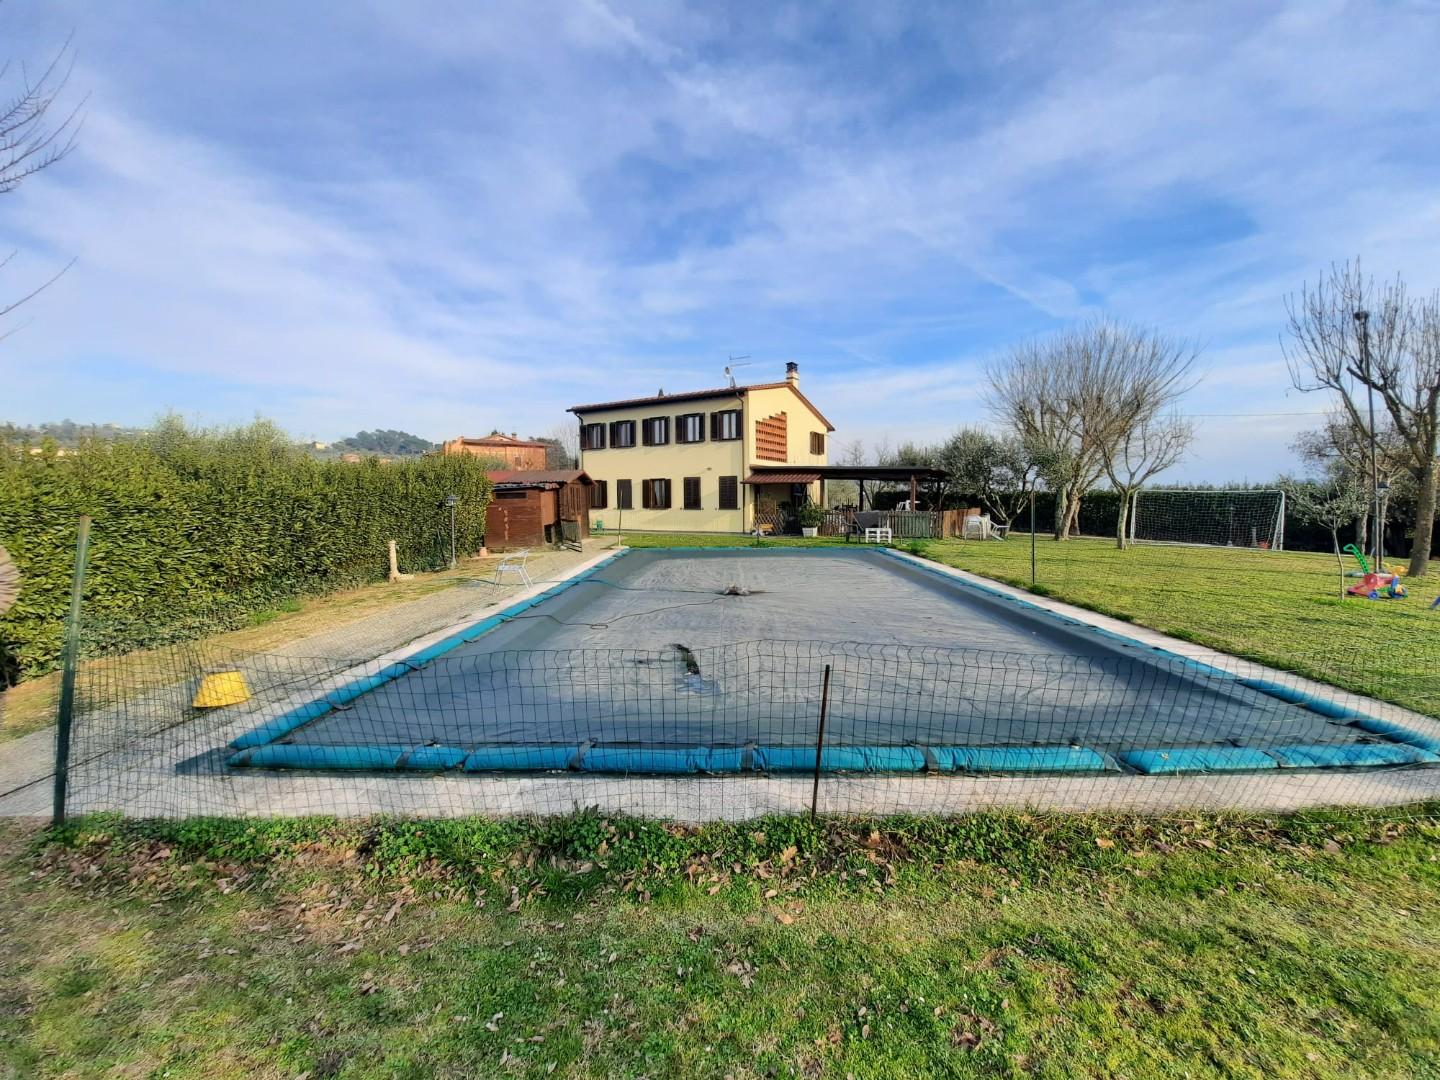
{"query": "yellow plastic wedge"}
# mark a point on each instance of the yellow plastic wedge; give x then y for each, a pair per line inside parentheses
(221, 688)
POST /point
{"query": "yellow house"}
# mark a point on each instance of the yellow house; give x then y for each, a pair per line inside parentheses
(679, 462)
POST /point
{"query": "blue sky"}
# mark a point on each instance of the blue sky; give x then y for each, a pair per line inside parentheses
(448, 217)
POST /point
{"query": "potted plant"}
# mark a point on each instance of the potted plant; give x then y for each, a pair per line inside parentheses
(810, 516)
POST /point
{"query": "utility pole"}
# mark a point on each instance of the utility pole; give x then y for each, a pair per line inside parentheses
(1362, 321)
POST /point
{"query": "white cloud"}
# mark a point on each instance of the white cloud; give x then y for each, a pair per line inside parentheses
(450, 218)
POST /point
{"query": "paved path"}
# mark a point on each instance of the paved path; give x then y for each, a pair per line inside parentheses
(27, 763)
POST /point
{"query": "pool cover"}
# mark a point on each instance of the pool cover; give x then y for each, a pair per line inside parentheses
(723, 661)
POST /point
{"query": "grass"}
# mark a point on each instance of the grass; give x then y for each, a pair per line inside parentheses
(1280, 608)
(993, 946)
(30, 706)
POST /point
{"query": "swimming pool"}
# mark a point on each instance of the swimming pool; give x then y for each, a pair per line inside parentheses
(727, 660)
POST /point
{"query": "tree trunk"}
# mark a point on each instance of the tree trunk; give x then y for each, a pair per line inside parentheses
(1339, 559)
(1062, 510)
(1424, 519)
(1122, 522)
(1072, 515)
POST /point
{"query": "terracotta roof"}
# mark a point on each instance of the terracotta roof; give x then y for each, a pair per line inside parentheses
(540, 476)
(697, 395)
(498, 439)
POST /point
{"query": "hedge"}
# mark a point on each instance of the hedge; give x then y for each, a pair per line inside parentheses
(195, 530)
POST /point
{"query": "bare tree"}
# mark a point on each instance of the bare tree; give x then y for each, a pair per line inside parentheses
(1140, 454)
(1073, 397)
(566, 438)
(31, 139)
(1401, 366)
(845, 492)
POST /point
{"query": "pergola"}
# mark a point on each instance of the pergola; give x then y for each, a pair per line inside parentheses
(915, 475)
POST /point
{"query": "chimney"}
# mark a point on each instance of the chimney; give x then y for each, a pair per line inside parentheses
(792, 374)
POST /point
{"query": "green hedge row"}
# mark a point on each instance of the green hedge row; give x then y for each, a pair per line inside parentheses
(194, 530)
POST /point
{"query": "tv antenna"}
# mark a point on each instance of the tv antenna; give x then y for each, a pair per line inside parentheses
(730, 367)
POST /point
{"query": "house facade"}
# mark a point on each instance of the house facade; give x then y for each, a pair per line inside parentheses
(681, 462)
(516, 453)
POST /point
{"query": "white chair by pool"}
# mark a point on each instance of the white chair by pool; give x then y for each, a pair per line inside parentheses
(513, 563)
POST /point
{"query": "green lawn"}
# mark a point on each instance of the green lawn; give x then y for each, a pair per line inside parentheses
(984, 947)
(1281, 608)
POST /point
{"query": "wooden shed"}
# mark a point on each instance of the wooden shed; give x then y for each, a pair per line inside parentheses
(535, 507)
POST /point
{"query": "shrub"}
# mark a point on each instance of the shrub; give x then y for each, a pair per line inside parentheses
(195, 530)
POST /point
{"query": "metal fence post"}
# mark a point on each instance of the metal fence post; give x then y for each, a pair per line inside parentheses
(820, 743)
(65, 715)
(1032, 537)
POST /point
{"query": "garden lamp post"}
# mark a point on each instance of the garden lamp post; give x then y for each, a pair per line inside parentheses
(1362, 322)
(451, 501)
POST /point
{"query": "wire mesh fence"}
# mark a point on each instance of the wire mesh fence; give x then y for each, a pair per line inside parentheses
(1314, 697)
(1304, 611)
(728, 732)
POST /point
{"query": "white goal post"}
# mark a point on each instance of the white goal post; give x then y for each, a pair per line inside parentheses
(1253, 519)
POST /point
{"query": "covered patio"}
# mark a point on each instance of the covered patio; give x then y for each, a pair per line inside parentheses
(777, 490)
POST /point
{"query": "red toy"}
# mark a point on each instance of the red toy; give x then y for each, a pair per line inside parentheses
(1373, 582)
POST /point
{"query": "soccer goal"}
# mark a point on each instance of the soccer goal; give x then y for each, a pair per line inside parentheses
(1253, 519)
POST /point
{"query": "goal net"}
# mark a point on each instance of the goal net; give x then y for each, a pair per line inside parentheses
(1253, 519)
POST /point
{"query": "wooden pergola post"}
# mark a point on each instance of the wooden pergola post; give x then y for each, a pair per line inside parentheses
(914, 494)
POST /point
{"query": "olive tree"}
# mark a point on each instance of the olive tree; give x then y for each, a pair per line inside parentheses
(998, 470)
(1332, 503)
(1350, 337)
(1340, 452)
(1076, 396)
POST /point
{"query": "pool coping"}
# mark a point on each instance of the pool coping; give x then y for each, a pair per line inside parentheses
(257, 747)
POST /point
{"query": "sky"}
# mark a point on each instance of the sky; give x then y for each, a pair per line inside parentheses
(450, 217)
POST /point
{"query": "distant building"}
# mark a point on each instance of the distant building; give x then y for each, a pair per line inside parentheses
(318, 445)
(515, 452)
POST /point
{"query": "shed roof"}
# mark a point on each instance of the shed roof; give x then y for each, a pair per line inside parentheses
(527, 477)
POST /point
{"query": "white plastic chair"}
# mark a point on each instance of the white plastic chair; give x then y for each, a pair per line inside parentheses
(513, 563)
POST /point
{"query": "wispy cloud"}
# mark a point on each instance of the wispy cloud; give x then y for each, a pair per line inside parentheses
(449, 218)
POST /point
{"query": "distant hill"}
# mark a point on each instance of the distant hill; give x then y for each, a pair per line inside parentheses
(385, 441)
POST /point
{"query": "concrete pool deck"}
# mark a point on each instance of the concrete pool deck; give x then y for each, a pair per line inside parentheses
(151, 778)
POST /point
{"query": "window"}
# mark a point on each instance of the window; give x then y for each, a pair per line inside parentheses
(725, 425)
(622, 434)
(656, 430)
(510, 494)
(599, 495)
(817, 442)
(690, 428)
(622, 495)
(692, 493)
(655, 494)
(592, 436)
(729, 493)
